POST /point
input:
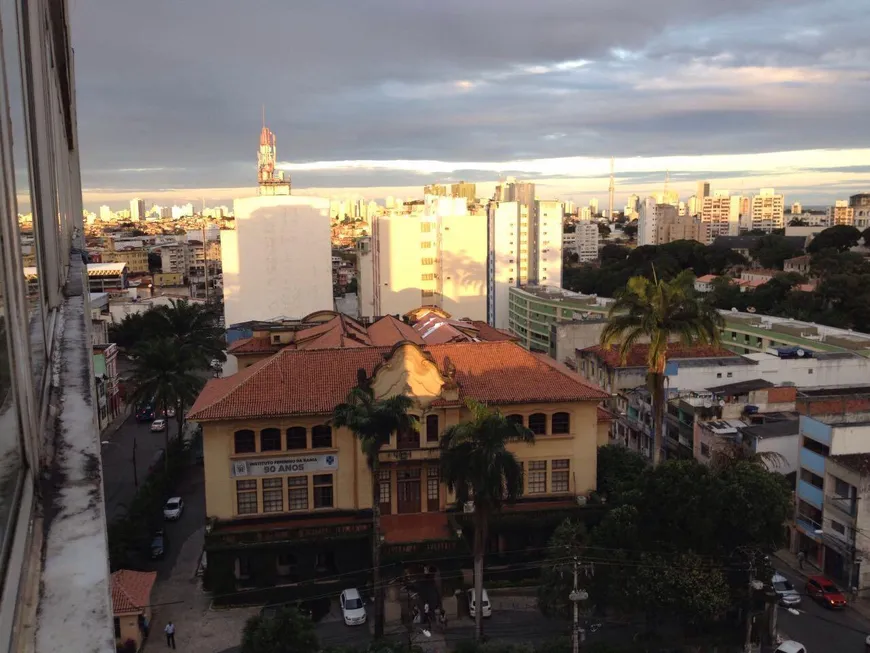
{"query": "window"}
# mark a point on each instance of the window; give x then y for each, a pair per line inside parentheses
(433, 489)
(841, 488)
(323, 491)
(837, 526)
(560, 479)
(561, 423)
(296, 437)
(246, 494)
(273, 495)
(117, 628)
(285, 564)
(384, 493)
(538, 424)
(245, 442)
(270, 440)
(427, 261)
(243, 567)
(517, 419)
(427, 277)
(425, 227)
(813, 479)
(816, 447)
(321, 437)
(431, 428)
(537, 477)
(297, 493)
(705, 450)
(425, 245)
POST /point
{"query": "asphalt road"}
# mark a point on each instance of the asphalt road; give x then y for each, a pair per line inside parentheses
(820, 629)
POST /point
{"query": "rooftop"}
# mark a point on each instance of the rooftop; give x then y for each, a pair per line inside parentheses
(313, 382)
(105, 269)
(637, 357)
(131, 590)
(740, 387)
(858, 462)
(773, 429)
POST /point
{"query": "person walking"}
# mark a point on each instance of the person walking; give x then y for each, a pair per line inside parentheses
(170, 635)
(802, 555)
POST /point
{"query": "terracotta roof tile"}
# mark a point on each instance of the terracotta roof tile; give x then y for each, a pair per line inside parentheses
(387, 331)
(312, 382)
(490, 333)
(131, 590)
(605, 415)
(255, 345)
(637, 357)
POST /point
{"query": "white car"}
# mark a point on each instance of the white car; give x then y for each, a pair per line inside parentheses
(791, 646)
(173, 508)
(472, 608)
(170, 412)
(158, 425)
(352, 608)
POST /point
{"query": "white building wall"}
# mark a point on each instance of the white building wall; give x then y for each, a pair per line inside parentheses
(548, 243)
(504, 221)
(586, 243)
(278, 260)
(400, 249)
(646, 222)
(462, 265)
(787, 446)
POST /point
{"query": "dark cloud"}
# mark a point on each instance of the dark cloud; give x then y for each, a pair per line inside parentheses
(170, 92)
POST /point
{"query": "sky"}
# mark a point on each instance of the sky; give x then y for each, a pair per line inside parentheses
(379, 97)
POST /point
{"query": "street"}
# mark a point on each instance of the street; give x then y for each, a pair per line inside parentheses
(818, 628)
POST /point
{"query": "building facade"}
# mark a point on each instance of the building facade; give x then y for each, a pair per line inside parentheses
(670, 227)
(720, 213)
(278, 260)
(768, 211)
(289, 497)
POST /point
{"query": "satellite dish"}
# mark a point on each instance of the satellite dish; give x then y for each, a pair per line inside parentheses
(801, 353)
(751, 309)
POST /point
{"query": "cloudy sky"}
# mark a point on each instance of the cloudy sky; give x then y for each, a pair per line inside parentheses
(377, 97)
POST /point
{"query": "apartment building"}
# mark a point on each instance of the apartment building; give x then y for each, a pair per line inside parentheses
(648, 214)
(278, 260)
(720, 213)
(860, 205)
(288, 496)
(670, 227)
(53, 566)
(175, 259)
(136, 258)
(841, 214)
(768, 211)
(465, 190)
(583, 241)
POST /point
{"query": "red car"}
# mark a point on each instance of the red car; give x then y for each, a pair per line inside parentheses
(825, 592)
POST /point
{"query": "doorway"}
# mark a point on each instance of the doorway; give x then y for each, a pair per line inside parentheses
(408, 490)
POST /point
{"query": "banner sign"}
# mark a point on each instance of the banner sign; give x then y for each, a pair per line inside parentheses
(284, 465)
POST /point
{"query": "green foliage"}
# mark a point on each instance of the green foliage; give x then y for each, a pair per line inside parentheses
(772, 250)
(618, 470)
(285, 632)
(352, 286)
(557, 579)
(604, 230)
(840, 237)
(630, 229)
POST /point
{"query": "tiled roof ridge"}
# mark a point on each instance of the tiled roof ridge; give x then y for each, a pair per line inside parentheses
(246, 375)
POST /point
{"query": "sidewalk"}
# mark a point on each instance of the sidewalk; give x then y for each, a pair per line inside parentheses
(860, 605)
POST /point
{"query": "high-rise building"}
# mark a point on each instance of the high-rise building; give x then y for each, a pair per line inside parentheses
(137, 209)
(586, 237)
(277, 262)
(841, 214)
(860, 205)
(464, 189)
(721, 212)
(593, 204)
(671, 227)
(703, 191)
(768, 211)
(647, 221)
(545, 248)
(106, 214)
(439, 190)
(797, 208)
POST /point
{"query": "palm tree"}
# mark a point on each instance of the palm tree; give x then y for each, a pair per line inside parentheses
(477, 466)
(728, 454)
(373, 420)
(660, 311)
(163, 373)
(195, 329)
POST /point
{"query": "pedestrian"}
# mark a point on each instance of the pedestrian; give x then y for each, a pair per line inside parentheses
(170, 635)
(802, 555)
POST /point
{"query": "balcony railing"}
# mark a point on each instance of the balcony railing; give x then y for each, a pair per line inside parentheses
(408, 440)
(846, 505)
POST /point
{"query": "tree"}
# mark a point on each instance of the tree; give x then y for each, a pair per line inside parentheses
(618, 470)
(798, 222)
(476, 466)
(196, 331)
(865, 235)
(840, 237)
(155, 263)
(630, 229)
(772, 250)
(163, 373)
(659, 310)
(287, 631)
(728, 453)
(372, 421)
(603, 230)
(352, 286)
(566, 543)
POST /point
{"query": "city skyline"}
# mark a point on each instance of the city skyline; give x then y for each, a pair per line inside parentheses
(546, 81)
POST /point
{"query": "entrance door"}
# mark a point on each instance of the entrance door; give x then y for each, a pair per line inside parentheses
(408, 490)
(384, 494)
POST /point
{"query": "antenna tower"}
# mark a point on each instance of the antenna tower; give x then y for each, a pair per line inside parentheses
(611, 189)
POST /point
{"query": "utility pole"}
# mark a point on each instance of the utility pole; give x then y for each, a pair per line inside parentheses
(752, 587)
(578, 634)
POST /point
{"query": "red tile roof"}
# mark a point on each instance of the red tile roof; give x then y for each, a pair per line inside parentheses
(313, 382)
(605, 415)
(131, 590)
(487, 332)
(637, 357)
(387, 331)
(255, 345)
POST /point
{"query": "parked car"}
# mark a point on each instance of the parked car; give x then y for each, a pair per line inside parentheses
(352, 608)
(158, 425)
(825, 592)
(170, 412)
(791, 646)
(786, 592)
(173, 508)
(486, 610)
(158, 545)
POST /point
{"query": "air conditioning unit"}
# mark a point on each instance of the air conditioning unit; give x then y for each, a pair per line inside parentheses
(468, 506)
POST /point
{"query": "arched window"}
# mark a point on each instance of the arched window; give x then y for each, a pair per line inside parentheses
(244, 441)
(321, 437)
(561, 423)
(297, 437)
(516, 418)
(431, 428)
(270, 440)
(538, 424)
